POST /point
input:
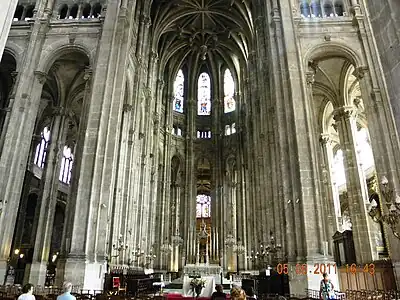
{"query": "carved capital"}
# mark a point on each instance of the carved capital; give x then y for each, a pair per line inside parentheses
(40, 76)
(59, 111)
(324, 139)
(156, 118)
(161, 83)
(310, 77)
(360, 72)
(14, 75)
(154, 55)
(343, 113)
(147, 92)
(127, 107)
(88, 73)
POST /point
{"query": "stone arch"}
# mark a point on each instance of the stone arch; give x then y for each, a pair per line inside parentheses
(330, 50)
(50, 57)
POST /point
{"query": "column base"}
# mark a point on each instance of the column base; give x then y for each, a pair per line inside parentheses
(299, 283)
(82, 273)
(37, 274)
(3, 271)
(396, 271)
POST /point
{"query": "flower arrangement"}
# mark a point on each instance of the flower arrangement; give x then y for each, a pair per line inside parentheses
(197, 284)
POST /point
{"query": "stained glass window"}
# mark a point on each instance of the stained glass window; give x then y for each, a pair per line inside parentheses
(203, 206)
(41, 148)
(66, 165)
(229, 92)
(204, 95)
(179, 92)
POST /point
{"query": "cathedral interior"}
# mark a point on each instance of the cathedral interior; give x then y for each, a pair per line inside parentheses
(228, 138)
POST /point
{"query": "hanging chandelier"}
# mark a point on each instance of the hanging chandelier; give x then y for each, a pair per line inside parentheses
(392, 201)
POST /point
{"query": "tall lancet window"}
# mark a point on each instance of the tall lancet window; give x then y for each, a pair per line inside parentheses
(229, 92)
(204, 95)
(179, 92)
(66, 165)
(203, 206)
(41, 148)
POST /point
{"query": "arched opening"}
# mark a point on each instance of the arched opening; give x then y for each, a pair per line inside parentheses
(346, 143)
(328, 9)
(305, 9)
(29, 12)
(96, 10)
(18, 13)
(86, 11)
(204, 95)
(73, 14)
(339, 8)
(63, 11)
(316, 9)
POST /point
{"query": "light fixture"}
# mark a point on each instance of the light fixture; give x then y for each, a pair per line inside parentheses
(392, 201)
(239, 248)
(230, 240)
(16, 251)
(176, 239)
(119, 246)
(166, 247)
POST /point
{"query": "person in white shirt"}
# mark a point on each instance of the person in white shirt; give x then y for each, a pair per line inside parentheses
(27, 292)
(67, 287)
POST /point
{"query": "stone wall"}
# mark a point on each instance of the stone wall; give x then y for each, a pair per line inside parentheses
(385, 19)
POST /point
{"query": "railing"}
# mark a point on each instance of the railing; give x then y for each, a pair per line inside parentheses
(314, 294)
(359, 295)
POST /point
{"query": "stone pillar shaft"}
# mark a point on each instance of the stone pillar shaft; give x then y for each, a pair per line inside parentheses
(346, 128)
(6, 18)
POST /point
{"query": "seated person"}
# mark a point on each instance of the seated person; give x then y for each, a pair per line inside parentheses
(250, 294)
(219, 293)
(238, 294)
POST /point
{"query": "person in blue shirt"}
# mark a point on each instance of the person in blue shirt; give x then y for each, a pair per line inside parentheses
(67, 288)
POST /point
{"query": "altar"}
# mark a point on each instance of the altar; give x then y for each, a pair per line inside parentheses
(210, 273)
(202, 270)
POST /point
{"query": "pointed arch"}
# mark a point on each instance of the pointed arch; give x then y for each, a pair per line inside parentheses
(179, 91)
(229, 92)
(204, 95)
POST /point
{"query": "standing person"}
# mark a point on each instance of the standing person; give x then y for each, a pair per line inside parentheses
(219, 293)
(27, 292)
(67, 288)
(326, 291)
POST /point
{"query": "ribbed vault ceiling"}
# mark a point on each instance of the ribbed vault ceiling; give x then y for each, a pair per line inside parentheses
(202, 27)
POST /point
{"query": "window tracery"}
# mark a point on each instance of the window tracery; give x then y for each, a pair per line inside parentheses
(41, 148)
(204, 95)
(66, 165)
(203, 206)
(229, 92)
(321, 8)
(204, 134)
(179, 92)
(230, 129)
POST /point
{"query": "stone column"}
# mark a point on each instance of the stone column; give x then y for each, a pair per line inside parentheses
(71, 203)
(331, 199)
(6, 112)
(6, 17)
(331, 194)
(385, 148)
(48, 197)
(11, 173)
(345, 121)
